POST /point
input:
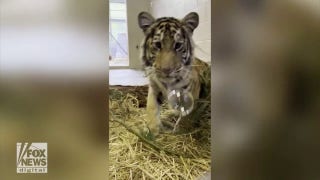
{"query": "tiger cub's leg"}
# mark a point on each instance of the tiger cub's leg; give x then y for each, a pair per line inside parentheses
(153, 112)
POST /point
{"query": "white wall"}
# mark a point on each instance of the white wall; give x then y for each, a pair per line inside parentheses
(53, 38)
(178, 9)
(135, 34)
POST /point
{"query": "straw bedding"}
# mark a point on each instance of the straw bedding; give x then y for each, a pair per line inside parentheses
(184, 154)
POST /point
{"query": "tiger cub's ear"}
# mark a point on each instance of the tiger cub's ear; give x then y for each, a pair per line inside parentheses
(191, 21)
(145, 20)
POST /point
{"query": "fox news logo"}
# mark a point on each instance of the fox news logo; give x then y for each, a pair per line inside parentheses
(32, 158)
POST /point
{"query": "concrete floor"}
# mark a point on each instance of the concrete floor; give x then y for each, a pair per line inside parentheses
(127, 77)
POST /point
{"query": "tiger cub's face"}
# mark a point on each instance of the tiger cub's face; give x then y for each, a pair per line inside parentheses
(167, 48)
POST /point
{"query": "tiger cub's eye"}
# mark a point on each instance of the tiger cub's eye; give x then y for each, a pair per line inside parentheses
(157, 45)
(177, 45)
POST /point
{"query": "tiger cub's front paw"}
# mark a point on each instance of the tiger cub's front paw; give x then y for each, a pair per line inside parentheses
(154, 128)
(150, 132)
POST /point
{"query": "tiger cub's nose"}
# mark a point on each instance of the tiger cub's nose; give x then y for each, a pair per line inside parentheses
(166, 70)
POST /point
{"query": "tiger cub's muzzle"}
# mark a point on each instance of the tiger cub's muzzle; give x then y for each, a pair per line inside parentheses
(167, 63)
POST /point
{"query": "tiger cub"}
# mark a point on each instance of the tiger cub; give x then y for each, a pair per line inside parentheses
(168, 59)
